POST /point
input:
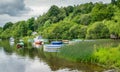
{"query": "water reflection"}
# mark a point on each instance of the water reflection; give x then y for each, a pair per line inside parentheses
(14, 63)
(36, 60)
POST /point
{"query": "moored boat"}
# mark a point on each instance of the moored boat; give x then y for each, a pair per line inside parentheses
(53, 47)
(65, 41)
(11, 41)
(20, 44)
(38, 40)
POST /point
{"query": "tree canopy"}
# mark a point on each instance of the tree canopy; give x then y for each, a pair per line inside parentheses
(89, 20)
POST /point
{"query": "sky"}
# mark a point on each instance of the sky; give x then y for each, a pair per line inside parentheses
(17, 10)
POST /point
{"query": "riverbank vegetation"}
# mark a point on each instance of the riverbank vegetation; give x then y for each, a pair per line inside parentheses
(102, 52)
(89, 20)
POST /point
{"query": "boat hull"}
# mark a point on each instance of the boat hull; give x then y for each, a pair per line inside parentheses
(52, 48)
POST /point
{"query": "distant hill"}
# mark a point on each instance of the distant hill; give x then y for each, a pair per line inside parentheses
(89, 20)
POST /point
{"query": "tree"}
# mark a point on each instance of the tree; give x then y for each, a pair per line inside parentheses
(74, 31)
(118, 3)
(113, 26)
(1, 29)
(40, 21)
(47, 23)
(53, 11)
(69, 10)
(101, 12)
(85, 19)
(83, 8)
(56, 14)
(97, 30)
(113, 2)
(29, 32)
(6, 34)
(7, 25)
(82, 32)
(23, 28)
(30, 23)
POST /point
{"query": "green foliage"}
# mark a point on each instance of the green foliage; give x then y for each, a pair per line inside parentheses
(118, 3)
(77, 19)
(7, 25)
(85, 19)
(113, 2)
(82, 32)
(6, 34)
(30, 23)
(23, 28)
(1, 29)
(29, 32)
(113, 25)
(69, 10)
(53, 11)
(102, 52)
(108, 56)
(97, 30)
(56, 14)
(83, 8)
(78, 51)
(74, 31)
(47, 23)
(70, 22)
(57, 31)
(101, 11)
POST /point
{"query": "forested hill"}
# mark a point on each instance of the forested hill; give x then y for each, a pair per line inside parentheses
(90, 20)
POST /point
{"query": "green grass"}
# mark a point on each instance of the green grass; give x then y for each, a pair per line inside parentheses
(103, 52)
(78, 52)
(108, 56)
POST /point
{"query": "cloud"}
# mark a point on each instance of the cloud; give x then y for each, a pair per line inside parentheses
(6, 18)
(61, 2)
(13, 7)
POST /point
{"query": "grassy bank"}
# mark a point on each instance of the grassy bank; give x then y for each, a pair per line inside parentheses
(103, 52)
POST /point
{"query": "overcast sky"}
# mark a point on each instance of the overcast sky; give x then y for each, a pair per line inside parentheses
(16, 10)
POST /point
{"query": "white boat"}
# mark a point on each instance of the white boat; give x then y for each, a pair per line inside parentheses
(37, 40)
(11, 40)
(52, 48)
(65, 41)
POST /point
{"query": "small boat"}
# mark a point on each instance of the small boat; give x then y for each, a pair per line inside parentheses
(38, 40)
(36, 45)
(11, 41)
(65, 41)
(20, 44)
(53, 47)
(56, 42)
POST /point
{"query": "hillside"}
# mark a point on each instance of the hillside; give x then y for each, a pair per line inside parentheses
(90, 20)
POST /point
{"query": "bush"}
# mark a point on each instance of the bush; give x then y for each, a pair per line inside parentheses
(97, 30)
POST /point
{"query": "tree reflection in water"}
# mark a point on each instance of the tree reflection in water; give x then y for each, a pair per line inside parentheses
(51, 59)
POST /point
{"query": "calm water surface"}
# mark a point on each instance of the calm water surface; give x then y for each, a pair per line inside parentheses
(36, 60)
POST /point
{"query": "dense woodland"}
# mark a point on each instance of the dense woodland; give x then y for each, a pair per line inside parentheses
(84, 21)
